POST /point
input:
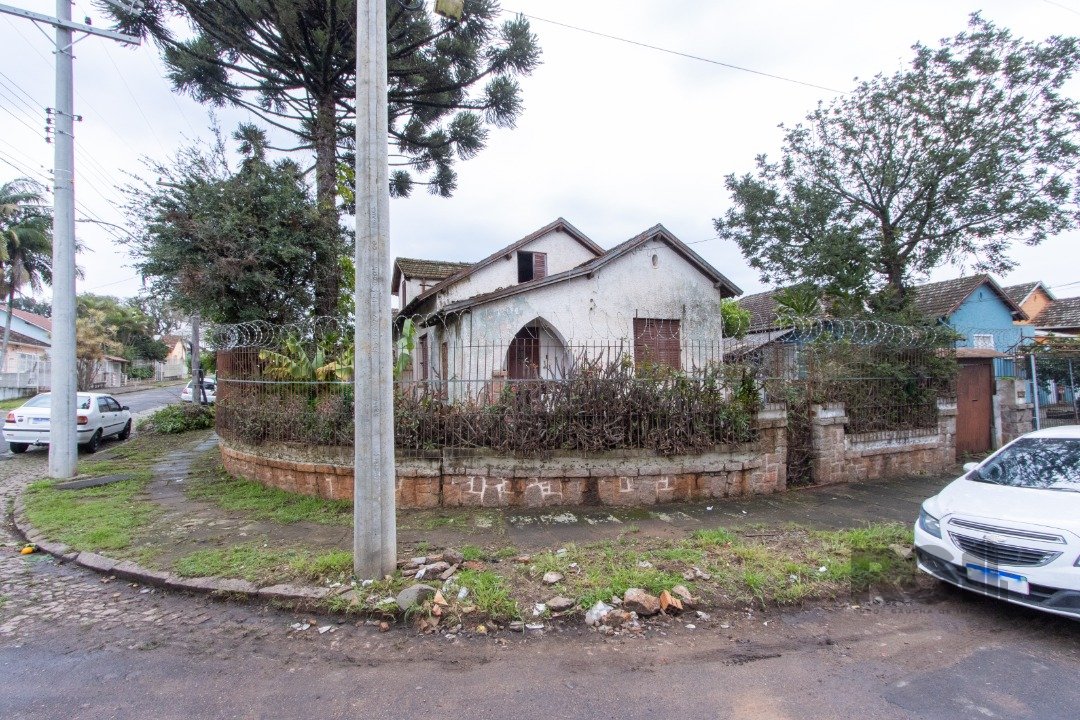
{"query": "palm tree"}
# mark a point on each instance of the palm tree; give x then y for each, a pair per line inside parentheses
(25, 244)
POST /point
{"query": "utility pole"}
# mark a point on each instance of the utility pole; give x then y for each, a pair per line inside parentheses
(63, 438)
(374, 520)
(197, 393)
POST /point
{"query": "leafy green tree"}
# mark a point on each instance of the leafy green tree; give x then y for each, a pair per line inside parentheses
(233, 245)
(33, 305)
(293, 64)
(971, 148)
(129, 331)
(734, 319)
(25, 244)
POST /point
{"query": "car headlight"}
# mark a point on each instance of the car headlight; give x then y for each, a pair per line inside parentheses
(929, 523)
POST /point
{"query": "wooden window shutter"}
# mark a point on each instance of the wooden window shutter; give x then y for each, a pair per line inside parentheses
(657, 342)
(539, 266)
(424, 359)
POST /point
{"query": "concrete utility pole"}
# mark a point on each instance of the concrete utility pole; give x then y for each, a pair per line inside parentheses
(63, 438)
(374, 521)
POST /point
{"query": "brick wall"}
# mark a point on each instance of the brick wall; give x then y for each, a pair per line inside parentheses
(484, 480)
(842, 457)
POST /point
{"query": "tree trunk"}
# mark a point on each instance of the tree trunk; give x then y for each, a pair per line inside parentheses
(328, 250)
(7, 327)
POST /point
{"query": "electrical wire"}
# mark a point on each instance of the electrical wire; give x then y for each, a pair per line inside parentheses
(677, 53)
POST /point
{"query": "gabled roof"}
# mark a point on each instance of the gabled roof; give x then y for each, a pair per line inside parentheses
(656, 232)
(17, 338)
(1060, 315)
(558, 224)
(762, 308)
(1020, 293)
(34, 319)
(942, 299)
(424, 269)
(171, 340)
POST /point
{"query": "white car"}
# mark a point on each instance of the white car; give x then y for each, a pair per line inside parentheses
(209, 384)
(1010, 526)
(97, 416)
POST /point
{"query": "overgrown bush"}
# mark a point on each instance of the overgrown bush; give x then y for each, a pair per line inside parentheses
(597, 407)
(141, 373)
(179, 418)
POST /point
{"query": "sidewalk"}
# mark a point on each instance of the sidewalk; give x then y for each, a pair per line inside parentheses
(196, 524)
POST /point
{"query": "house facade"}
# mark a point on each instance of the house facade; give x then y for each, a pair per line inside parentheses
(26, 368)
(555, 299)
(979, 310)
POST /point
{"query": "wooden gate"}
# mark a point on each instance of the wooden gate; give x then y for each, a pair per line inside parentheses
(974, 408)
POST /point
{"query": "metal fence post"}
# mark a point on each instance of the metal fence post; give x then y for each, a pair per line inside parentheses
(1035, 391)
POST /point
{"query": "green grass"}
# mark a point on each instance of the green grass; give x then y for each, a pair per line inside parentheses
(95, 519)
(211, 483)
(13, 403)
(488, 592)
(261, 565)
(712, 537)
(472, 552)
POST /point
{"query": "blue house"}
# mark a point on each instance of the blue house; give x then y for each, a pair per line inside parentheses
(982, 312)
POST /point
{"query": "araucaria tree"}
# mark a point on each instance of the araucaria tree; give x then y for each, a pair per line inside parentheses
(233, 244)
(970, 149)
(292, 63)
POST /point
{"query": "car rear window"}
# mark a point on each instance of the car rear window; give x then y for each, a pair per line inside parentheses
(1050, 463)
(44, 401)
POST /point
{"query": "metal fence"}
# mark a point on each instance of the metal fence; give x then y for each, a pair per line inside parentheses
(1051, 367)
(537, 393)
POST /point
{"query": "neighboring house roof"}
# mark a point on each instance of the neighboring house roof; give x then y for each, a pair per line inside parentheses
(34, 319)
(1061, 314)
(425, 269)
(762, 308)
(942, 299)
(171, 340)
(558, 224)
(1020, 293)
(657, 232)
(17, 338)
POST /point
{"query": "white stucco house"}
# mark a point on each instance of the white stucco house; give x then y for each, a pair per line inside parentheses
(554, 300)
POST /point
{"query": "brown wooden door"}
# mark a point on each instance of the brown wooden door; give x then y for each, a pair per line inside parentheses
(974, 408)
(523, 357)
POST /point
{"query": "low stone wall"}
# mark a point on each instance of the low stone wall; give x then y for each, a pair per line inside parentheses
(485, 480)
(842, 457)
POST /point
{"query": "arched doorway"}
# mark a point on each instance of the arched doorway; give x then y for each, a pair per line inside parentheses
(536, 352)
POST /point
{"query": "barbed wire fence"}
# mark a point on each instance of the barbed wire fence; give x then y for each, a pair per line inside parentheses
(546, 386)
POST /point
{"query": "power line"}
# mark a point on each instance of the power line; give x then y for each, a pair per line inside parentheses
(1063, 7)
(677, 53)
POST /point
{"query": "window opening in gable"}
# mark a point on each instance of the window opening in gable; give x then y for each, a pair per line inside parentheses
(531, 266)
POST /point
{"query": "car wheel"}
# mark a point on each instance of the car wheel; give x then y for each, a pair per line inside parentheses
(18, 448)
(94, 444)
(125, 433)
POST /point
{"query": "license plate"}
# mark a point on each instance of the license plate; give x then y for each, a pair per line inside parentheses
(998, 578)
(39, 421)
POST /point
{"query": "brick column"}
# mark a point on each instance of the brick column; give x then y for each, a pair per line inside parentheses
(828, 443)
(946, 432)
(771, 476)
(1017, 412)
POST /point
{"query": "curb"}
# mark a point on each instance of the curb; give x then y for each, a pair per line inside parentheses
(296, 597)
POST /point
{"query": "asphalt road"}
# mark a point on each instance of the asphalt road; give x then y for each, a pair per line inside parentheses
(140, 402)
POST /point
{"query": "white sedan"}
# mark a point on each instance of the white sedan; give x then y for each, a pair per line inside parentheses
(1010, 526)
(97, 416)
(209, 384)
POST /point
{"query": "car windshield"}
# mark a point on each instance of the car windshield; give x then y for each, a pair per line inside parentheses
(44, 400)
(1050, 463)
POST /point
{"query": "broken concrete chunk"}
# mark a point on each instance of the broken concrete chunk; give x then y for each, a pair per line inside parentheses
(559, 604)
(641, 602)
(552, 577)
(414, 595)
(597, 613)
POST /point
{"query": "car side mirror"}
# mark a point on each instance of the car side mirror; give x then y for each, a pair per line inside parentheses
(968, 467)
(124, 407)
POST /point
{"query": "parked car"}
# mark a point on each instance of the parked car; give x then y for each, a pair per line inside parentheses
(98, 416)
(1010, 526)
(209, 384)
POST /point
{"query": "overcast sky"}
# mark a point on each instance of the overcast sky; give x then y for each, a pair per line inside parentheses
(614, 137)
